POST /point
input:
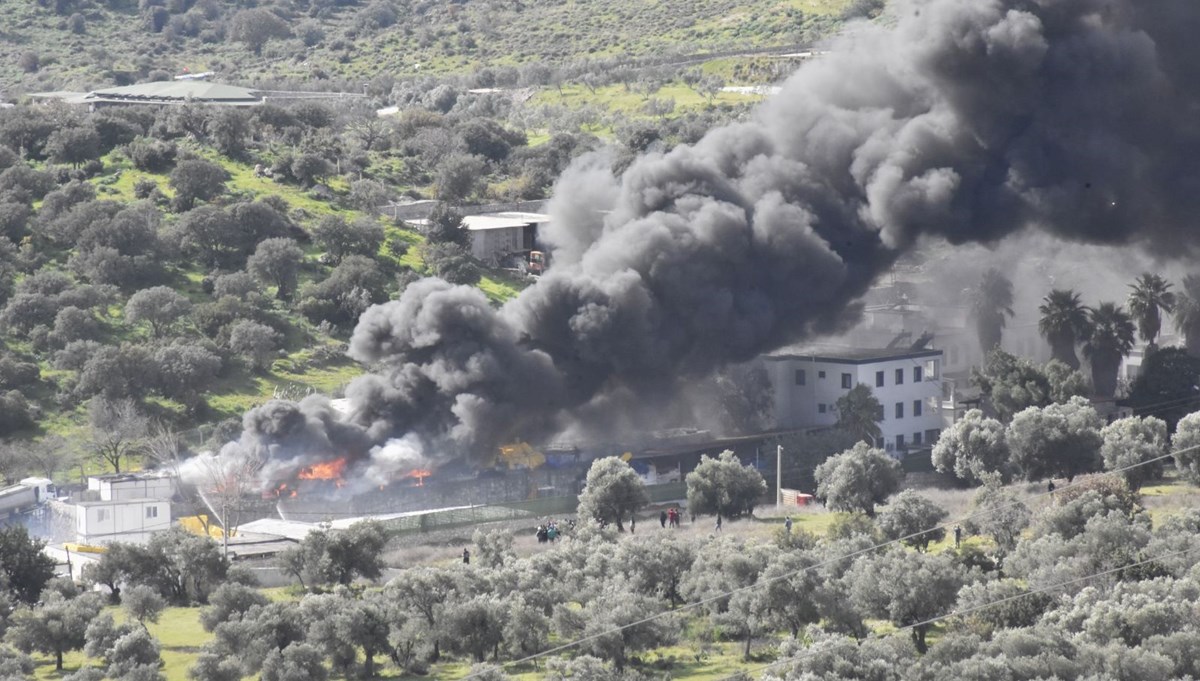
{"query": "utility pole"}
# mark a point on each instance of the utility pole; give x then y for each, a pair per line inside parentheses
(225, 528)
(778, 476)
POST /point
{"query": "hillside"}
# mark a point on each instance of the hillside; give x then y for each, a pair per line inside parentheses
(90, 207)
(64, 44)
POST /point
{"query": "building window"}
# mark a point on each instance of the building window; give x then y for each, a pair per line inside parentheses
(821, 408)
(899, 376)
(151, 511)
(801, 379)
(917, 374)
(900, 443)
(899, 410)
(879, 414)
(101, 515)
(878, 379)
(931, 435)
(847, 381)
(917, 439)
(820, 374)
(916, 408)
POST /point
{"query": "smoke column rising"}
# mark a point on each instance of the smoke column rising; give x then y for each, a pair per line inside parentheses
(966, 120)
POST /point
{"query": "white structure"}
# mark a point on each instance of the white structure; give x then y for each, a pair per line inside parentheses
(496, 235)
(123, 486)
(809, 380)
(125, 520)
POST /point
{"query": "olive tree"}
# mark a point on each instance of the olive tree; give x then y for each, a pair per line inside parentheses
(1056, 440)
(197, 180)
(914, 519)
(160, 307)
(1185, 446)
(858, 479)
(361, 236)
(907, 588)
(277, 262)
(974, 446)
(1137, 442)
(57, 625)
(255, 342)
(725, 487)
(612, 493)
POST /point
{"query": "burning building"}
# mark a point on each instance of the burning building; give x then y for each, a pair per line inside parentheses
(962, 121)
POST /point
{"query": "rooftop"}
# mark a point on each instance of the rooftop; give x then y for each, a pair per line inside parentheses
(845, 354)
(131, 477)
(509, 220)
(122, 502)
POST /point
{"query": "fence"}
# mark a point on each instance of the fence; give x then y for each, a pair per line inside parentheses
(528, 509)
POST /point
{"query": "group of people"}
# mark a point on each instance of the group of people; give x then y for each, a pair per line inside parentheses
(550, 532)
(670, 517)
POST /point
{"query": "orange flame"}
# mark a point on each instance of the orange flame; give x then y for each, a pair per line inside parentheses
(326, 470)
(419, 475)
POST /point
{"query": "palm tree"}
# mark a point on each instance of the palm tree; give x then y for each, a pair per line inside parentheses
(1064, 323)
(991, 305)
(1149, 298)
(1187, 314)
(1110, 340)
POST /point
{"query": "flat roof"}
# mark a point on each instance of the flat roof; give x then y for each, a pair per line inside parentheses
(138, 475)
(186, 89)
(477, 223)
(844, 354)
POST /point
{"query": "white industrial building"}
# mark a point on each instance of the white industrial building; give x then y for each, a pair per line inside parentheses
(808, 381)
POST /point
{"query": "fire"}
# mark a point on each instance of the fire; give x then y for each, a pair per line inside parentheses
(419, 475)
(326, 470)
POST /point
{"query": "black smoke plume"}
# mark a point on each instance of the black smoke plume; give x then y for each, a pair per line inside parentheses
(965, 120)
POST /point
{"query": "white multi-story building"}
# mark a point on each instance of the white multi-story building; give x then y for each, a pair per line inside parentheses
(808, 381)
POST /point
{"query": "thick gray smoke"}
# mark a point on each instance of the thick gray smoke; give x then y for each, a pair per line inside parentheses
(966, 120)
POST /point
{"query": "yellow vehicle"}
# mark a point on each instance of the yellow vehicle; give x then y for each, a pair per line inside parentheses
(519, 455)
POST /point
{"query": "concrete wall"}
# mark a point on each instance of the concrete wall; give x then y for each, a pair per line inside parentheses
(487, 245)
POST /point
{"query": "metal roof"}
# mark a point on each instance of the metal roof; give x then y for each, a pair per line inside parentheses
(179, 90)
(477, 223)
(841, 354)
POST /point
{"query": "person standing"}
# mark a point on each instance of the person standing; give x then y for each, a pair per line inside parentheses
(466, 557)
(662, 519)
(957, 536)
(787, 525)
(718, 522)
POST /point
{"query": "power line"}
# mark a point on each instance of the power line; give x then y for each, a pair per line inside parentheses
(982, 606)
(762, 582)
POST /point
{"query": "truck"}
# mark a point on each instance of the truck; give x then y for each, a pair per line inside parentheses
(25, 496)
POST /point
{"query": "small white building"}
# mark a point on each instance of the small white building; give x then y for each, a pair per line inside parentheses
(808, 381)
(123, 520)
(496, 235)
(122, 486)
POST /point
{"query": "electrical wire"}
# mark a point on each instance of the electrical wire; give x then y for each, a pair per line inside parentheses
(981, 606)
(824, 563)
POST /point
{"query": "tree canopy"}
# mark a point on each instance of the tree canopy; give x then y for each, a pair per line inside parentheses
(858, 479)
(724, 486)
